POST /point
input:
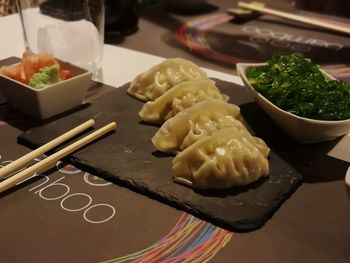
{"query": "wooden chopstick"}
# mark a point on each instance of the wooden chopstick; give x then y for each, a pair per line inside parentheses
(52, 159)
(46, 147)
(294, 17)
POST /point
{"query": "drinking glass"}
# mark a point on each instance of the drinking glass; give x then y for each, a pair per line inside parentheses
(71, 30)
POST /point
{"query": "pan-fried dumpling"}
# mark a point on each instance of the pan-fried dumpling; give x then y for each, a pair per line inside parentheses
(229, 157)
(194, 123)
(160, 78)
(180, 97)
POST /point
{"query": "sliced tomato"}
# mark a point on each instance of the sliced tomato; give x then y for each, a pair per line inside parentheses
(64, 74)
(21, 74)
(31, 63)
(14, 72)
(29, 66)
(9, 71)
(46, 60)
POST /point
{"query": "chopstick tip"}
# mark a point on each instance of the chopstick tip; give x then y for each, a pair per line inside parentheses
(113, 124)
(91, 121)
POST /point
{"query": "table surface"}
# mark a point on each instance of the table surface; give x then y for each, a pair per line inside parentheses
(311, 226)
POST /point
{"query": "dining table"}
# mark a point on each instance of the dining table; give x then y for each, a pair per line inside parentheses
(72, 214)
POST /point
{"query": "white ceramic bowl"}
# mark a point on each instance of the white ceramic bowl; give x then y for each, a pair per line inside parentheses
(49, 101)
(347, 181)
(303, 130)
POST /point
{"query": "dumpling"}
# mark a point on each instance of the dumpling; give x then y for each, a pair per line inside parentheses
(180, 97)
(160, 78)
(229, 157)
(194, 123)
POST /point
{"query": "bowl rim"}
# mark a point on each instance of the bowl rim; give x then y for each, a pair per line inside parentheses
(87, 72)
(241, 69)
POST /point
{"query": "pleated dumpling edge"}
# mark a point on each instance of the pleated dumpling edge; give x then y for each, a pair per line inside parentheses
(151, 84)
(194, 123)
(180, 97)
(229, 157)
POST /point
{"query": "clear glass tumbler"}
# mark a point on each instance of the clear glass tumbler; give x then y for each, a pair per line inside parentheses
(71, 30)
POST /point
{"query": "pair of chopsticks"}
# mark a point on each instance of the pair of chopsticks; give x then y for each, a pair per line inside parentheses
(52, 159)
(307, 20)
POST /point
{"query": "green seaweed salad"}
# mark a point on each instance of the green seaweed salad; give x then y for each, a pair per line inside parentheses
(295, 84)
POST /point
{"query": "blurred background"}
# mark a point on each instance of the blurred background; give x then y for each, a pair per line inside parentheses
(332, 7)
(206, 33)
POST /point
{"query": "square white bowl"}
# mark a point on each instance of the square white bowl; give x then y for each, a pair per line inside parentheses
(302, 130)
(51, 100)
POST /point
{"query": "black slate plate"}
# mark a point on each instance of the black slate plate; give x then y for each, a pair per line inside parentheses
(128, 157)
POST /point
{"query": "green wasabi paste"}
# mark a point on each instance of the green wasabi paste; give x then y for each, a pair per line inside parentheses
(44, 77)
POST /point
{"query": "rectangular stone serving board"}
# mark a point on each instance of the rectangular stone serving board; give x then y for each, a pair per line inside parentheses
(127, 157)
